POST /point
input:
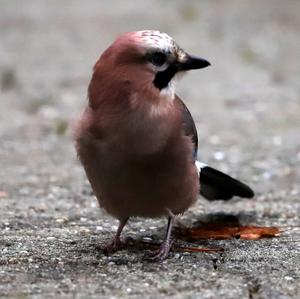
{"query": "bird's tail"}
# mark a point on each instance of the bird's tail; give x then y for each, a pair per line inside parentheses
(216, 185)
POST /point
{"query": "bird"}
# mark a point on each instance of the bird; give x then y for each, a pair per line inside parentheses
(137, 140)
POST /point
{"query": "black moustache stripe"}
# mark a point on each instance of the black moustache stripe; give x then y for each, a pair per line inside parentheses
(163, 78)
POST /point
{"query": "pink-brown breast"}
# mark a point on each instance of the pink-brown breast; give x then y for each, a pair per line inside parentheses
(138, 164)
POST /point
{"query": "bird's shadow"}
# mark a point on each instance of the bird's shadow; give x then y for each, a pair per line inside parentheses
(224, 220)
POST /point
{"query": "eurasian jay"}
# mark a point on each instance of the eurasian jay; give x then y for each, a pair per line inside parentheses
(137, 140)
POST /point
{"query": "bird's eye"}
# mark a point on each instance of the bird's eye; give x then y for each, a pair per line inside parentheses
(157, 58)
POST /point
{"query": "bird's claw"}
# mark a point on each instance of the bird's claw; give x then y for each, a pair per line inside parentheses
(160, 254)
(111, 247)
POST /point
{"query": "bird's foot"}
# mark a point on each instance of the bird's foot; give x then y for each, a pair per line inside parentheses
(160, 254)
(111, 247)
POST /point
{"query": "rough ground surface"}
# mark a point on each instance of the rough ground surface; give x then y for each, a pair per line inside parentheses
(247, 109)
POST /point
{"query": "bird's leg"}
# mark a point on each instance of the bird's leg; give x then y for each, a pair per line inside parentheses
(115, 244)
(165, 247)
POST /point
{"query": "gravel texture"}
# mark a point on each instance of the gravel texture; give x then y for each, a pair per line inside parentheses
(247, 110)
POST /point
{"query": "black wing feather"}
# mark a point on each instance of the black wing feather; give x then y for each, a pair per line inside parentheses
(214, 184)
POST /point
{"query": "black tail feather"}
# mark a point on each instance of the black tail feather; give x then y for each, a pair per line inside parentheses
(216, 185)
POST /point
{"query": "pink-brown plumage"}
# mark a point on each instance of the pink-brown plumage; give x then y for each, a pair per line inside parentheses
(139, 162)
(130, 138)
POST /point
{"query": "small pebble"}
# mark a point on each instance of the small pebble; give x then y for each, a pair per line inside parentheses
(51, 238)
(177, 256)
(288, 278)
(62, 220)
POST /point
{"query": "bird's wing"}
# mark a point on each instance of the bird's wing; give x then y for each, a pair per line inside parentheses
(188, 125)
(214, 184)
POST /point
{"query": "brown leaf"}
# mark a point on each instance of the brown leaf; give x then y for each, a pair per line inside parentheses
(222, 232)
(198, 249)
(256, 232)
(3, 194)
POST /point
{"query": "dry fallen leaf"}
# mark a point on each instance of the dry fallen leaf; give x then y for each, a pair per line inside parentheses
(220, 230)
(3, 194)
(256, 232)
(197, 249)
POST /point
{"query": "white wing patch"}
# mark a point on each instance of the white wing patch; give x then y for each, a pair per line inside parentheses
(199, 165)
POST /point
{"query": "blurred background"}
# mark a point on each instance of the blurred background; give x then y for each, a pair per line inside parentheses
(246, 105)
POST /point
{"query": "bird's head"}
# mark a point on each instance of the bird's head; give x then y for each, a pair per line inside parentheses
(148, 58)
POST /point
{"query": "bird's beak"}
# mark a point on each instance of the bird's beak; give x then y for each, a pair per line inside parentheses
(192, 63)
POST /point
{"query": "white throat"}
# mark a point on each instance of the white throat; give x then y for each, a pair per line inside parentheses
(168, 93)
